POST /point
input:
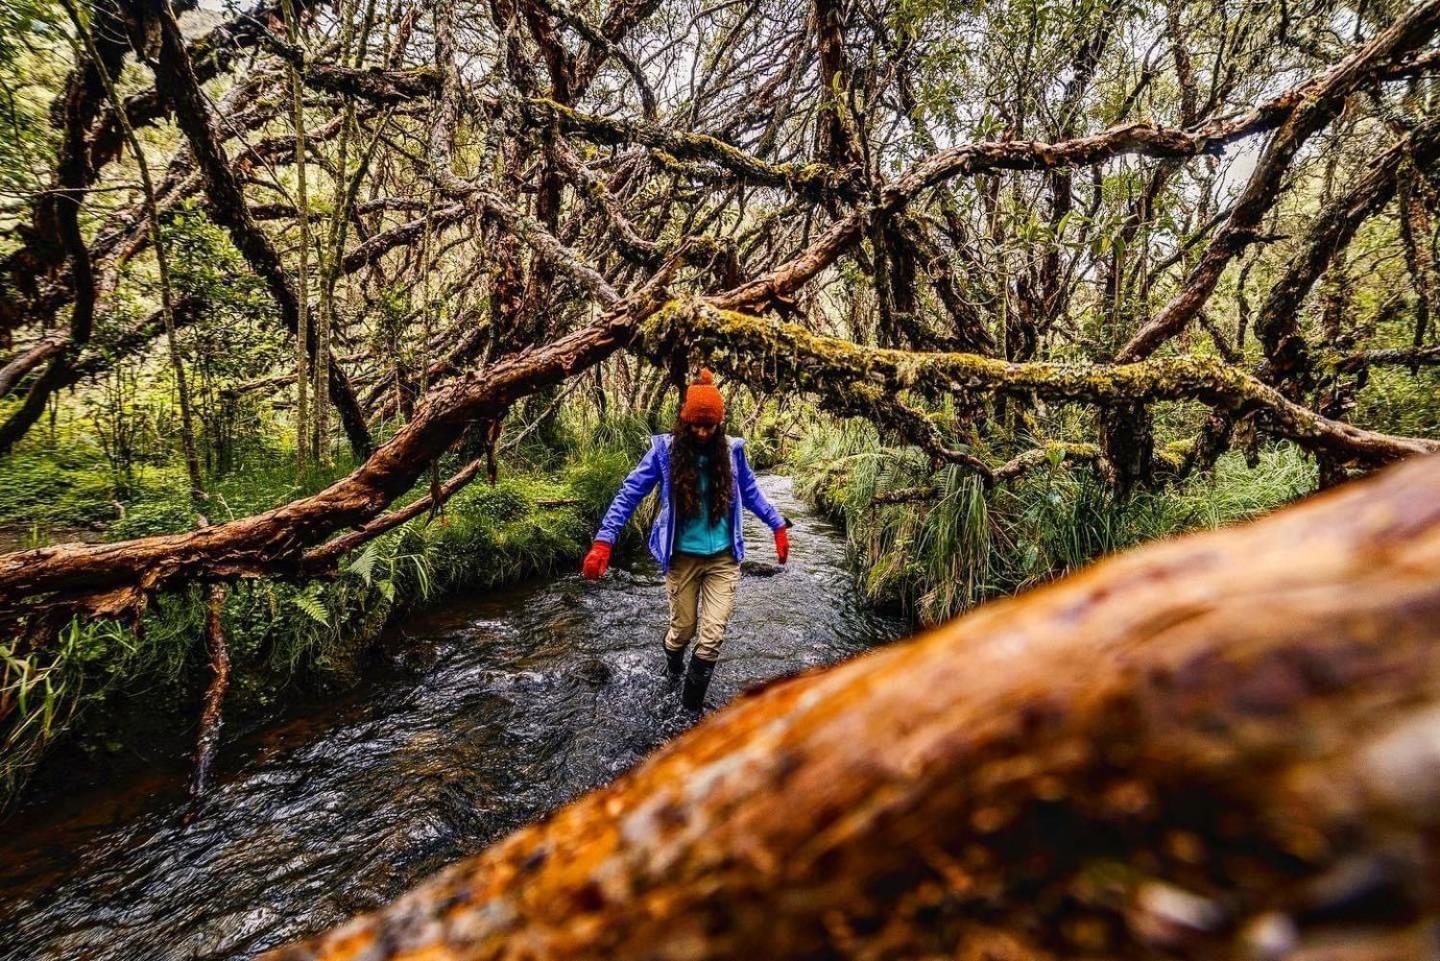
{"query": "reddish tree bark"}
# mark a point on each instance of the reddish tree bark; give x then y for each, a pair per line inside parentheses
(1287, 356)
(1216, 747)
(1321, 101)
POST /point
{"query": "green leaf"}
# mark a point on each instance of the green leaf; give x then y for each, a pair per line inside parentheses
(313, 609)
(364, 564)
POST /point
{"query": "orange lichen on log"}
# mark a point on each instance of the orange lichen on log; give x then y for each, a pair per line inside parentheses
(1226, 745)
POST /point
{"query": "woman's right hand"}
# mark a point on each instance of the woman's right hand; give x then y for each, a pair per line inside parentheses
(597, 561)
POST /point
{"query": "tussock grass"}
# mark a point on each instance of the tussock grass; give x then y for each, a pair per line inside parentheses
(941, 556)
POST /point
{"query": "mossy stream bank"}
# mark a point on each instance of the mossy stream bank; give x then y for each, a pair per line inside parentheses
(483, 714)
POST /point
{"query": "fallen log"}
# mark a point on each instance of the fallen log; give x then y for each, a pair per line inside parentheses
(1222, 746)
(324, 557)
(115, 579)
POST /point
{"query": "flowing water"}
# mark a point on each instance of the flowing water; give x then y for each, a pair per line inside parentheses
(490, 713)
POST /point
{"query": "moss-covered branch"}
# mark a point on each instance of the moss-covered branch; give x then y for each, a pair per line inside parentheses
(811, 180)
(1392, 356)
(852, 379)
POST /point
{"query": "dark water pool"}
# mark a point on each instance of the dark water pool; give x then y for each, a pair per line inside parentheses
(491, 713)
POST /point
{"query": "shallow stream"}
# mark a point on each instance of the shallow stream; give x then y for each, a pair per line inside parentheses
(488, 713)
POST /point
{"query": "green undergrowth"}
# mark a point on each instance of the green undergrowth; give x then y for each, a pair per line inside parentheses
(962, 545)
(1398, 402)
(56, 492)
(536, 519)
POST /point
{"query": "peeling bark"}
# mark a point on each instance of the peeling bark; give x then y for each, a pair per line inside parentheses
(323, 558)
(1322, 101)
(837, 140)
(1416, 234)
(1175, 753)
(1287, 357)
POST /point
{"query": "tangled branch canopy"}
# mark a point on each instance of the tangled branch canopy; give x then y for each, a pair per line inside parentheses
(895, 210)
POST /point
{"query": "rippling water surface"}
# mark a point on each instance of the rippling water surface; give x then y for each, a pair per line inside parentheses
(492, 713)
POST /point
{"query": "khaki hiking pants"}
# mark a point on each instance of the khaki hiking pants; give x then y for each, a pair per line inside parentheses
(701, 589)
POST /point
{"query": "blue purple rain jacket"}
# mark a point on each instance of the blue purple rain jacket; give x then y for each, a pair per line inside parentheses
(653, 469)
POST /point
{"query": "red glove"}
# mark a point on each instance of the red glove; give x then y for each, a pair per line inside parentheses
(596, 561)
(782, 544)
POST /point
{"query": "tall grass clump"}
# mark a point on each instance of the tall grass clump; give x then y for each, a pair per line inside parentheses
(959, 544)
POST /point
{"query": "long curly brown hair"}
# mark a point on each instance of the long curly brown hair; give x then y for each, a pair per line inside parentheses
(685, 454)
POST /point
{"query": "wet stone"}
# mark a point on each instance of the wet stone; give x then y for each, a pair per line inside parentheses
(752, 568)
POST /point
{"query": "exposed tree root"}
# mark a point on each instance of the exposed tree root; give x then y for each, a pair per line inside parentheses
(207, 740)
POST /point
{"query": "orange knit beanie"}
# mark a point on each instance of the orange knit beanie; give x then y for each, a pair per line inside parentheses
(703, 403)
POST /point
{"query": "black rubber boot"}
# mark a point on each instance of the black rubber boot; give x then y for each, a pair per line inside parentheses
(697, 681)
(675, 662)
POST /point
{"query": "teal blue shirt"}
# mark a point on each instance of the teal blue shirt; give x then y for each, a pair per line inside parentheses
(699, 535)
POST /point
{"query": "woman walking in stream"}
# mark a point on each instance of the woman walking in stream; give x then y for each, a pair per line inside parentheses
(704, 481)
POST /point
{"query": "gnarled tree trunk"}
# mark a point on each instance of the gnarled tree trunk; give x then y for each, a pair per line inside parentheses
(1222, 746)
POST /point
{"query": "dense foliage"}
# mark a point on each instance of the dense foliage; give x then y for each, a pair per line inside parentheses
(536, 519)
(955, 544)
